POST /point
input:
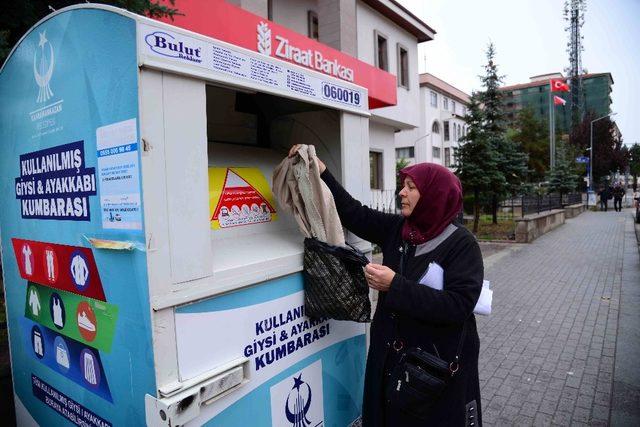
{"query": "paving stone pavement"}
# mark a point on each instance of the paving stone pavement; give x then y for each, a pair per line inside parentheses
(547, 351)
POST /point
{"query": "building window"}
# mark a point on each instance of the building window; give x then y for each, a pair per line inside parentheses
(453, 106)
(446, 130)
(312, 24)
(459, 132)
(454, 132)
(447, 157)
(445, 103)
(435, 128)
(436, 152)
(434, 99)
(403, 66)
(375, 166)
(405, 153)
(464, 111)
(382, 60)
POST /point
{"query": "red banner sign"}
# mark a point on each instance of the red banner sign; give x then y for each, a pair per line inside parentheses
(68, 268)
(229, 23)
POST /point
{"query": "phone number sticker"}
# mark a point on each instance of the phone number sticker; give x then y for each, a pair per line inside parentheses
(341, 94)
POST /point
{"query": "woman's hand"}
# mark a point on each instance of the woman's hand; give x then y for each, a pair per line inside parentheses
(294, 150)
(379, 276)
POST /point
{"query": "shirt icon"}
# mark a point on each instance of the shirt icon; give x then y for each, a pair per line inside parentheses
(28, 259)
(34, 301)
(79, 270)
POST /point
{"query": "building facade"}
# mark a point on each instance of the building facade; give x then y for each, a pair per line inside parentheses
(535, 96)
(442, 111)
(381, 33)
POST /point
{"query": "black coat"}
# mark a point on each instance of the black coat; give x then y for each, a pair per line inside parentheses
(419, 316)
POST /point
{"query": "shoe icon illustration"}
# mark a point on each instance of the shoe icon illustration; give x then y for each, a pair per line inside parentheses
(85, 323)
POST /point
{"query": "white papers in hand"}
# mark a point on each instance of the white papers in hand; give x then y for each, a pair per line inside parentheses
(434, 278)
(483, 306)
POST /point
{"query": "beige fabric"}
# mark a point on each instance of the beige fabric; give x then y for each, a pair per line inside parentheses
(299, 189)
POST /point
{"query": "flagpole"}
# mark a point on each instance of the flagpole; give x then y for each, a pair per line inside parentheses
(551, 163)
(553, 133)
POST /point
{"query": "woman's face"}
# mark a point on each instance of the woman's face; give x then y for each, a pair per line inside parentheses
(409, 196)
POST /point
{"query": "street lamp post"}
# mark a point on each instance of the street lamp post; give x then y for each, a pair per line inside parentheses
(591, 151)
(415, 155)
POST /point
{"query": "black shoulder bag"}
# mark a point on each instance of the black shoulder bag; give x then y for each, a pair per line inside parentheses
(420, 378)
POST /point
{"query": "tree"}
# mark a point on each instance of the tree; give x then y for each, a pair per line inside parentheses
(533, 137)
(562, 179)
(18, 16)
(512, 162)
(477, 162)
(634, 164)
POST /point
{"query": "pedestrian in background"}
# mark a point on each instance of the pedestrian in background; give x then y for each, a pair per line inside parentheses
(618, 194)
(429, 283)
(603, 193)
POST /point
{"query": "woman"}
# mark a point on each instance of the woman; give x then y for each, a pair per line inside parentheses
(410, 314)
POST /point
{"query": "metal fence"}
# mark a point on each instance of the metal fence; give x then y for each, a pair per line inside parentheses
(526, 205)
(383, 201)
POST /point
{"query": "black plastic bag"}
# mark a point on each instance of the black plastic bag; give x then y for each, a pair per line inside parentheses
(334, 285)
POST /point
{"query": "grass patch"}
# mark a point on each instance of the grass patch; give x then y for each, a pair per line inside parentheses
(504, 230)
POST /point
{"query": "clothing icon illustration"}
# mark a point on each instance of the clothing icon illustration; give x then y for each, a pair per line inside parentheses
(62, 357)
(28, 260)
(85, 323)
(90, 367)
(38, 342)
(51, 262)
(86, 318)
(79, 270)
(50, 268)
(57, 311)
(34, 301)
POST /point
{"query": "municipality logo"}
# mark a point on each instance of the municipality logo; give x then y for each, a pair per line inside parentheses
(264, 39)
(43, 68)
(298, 403)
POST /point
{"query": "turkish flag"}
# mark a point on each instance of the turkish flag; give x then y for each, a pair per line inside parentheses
(558, 101)
(558, 85)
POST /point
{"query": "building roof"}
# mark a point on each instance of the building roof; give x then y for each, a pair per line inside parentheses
(544, 82)
(402, 17)
(429, 80)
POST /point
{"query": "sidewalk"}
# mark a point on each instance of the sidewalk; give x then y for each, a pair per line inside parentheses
(558, 335)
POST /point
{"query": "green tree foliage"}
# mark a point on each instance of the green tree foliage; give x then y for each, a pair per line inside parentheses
(634, 164)
(18, 16)
(562, 178)
(533, 136)
(477, 162)
(608, 150)
(512, 162)
(400, 164)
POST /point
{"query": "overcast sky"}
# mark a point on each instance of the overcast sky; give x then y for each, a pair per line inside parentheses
(530, 39)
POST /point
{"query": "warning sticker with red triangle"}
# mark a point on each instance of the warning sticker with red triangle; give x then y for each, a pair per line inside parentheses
(239, 196)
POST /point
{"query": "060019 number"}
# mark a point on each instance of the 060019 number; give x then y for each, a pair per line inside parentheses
(336, 93)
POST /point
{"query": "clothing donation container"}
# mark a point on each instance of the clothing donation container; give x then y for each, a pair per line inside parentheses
(150, 277)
